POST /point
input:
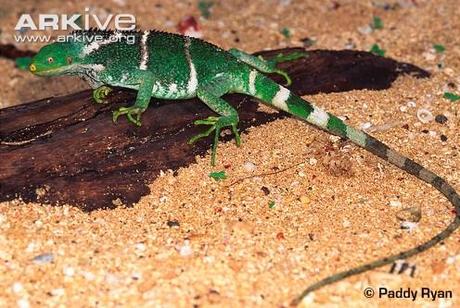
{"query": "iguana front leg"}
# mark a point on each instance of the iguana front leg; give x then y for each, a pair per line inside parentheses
(210, 93)
(99, 94)
(144, 94)
(267, 66)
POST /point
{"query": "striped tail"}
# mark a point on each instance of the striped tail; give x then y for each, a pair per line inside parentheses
(281, 98)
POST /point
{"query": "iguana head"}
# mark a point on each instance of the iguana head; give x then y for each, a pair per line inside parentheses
(56, 59)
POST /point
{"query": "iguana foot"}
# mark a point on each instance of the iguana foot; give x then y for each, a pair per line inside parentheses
(279, 58)
(285, 75)
(216, 123)
(130, 113)
(101, 93)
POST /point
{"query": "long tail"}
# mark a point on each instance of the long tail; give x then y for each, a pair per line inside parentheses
(281, 98)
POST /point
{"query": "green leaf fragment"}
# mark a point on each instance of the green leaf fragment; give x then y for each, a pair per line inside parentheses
(204, 7)
(271, 204)
(377, 23)
(218, 176)
(286, 32)
(439, 48)
(451, 96)
(23, 63)
(375, 49)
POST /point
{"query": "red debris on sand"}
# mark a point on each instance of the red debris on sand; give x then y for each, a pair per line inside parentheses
(189, 26)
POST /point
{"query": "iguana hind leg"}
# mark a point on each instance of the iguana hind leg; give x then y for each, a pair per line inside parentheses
(267, 66)
(210, 93)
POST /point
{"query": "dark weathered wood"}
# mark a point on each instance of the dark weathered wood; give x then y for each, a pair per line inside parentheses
(10, 51)
(67, 150)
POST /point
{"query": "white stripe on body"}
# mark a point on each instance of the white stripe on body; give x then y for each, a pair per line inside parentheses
(92, 47)
(192, 84)
(252, 82)
(318, 117)
(281, 98)
(144, 51)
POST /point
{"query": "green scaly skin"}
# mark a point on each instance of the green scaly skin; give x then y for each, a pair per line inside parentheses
(199, 69)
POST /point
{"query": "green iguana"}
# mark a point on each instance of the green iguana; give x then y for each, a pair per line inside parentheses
(171, 66)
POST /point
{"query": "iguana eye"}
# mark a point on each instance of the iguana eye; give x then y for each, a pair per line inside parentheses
(50, 60)
(69, 60)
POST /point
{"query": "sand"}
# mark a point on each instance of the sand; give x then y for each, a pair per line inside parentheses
(258, 238)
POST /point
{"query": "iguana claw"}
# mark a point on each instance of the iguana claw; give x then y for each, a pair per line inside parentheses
(279, 58)
(129, 111)
(101, 93)
(216, 123)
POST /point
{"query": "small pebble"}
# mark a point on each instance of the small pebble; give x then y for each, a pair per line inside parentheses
(308, 42)
(424, 115)
(312, 161)
(334, 138)
(120, 2)
(350, 45)
(3, 219)
(31, 247)
(443, 138)
(407, 225)
(136, 276)
(69, 271)
(117, 202)
(429, 56)
(304, 200)
(366, 125)
(23, 303)
(173, 223)
(43, 258)
(440, 118)
(395, 203)
(139, 247)
(367, 29)
(89, 276)
(411, 104)
(57, 292)
(308, 300)
(451, 259)
(265, 190)
(17, 287)
(185, 250)
(111, 279)
(449, 72)
(249, 166)
(410, 214)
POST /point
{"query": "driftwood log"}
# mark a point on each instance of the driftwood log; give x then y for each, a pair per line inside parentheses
(67, 150)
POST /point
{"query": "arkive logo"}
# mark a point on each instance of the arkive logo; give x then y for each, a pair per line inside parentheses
(71, 22)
